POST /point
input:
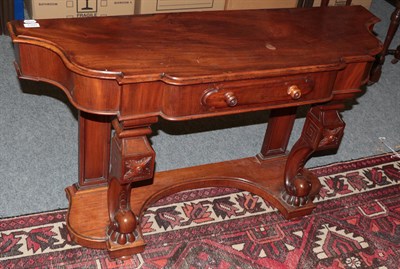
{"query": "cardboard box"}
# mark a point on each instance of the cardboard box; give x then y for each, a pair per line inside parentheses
(260, 4)
(46, 9)
(162, 6)
(364, 3)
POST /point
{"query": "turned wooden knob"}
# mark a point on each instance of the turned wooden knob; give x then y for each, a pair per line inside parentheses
(230, 99)
(294, 92)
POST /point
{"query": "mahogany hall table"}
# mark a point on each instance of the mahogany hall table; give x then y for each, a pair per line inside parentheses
(125, 72)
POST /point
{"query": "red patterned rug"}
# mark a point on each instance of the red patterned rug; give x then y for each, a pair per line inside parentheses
(355, 225)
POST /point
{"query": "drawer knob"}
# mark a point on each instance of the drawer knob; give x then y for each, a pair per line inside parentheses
(294, 92)
(230, 99)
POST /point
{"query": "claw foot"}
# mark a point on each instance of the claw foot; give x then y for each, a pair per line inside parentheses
(298, 193)
(122, 230)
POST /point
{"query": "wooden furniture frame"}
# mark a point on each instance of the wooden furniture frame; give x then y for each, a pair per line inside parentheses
(125, 72)
(376, 71)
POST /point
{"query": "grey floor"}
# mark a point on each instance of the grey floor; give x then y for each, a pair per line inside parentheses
(38, 135)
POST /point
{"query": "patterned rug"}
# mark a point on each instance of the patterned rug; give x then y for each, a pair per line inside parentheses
(356, 225)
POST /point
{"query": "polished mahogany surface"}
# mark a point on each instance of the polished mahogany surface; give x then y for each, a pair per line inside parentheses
(186, 48)
(122, 73)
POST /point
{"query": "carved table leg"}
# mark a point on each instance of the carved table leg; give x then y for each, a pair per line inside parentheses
(323, 129)
(132, 160)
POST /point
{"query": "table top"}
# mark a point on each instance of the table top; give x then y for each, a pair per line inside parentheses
(188, 48)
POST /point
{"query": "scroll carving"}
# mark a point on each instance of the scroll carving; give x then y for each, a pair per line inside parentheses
(122, 228)
(132, 161)
(323, 129)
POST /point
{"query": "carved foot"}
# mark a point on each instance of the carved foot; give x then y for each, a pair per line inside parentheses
(123, 225)
(122, 231)
(303, 189)
(132, 161)
(323, 129)
(124, 235)
(300, 188)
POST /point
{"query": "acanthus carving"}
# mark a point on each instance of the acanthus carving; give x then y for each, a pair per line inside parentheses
(137, 168)
(122, 229)
(331, 138)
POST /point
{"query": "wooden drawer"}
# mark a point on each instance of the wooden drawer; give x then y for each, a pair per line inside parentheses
(247, 95)
(243, 93)
(211, 99)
